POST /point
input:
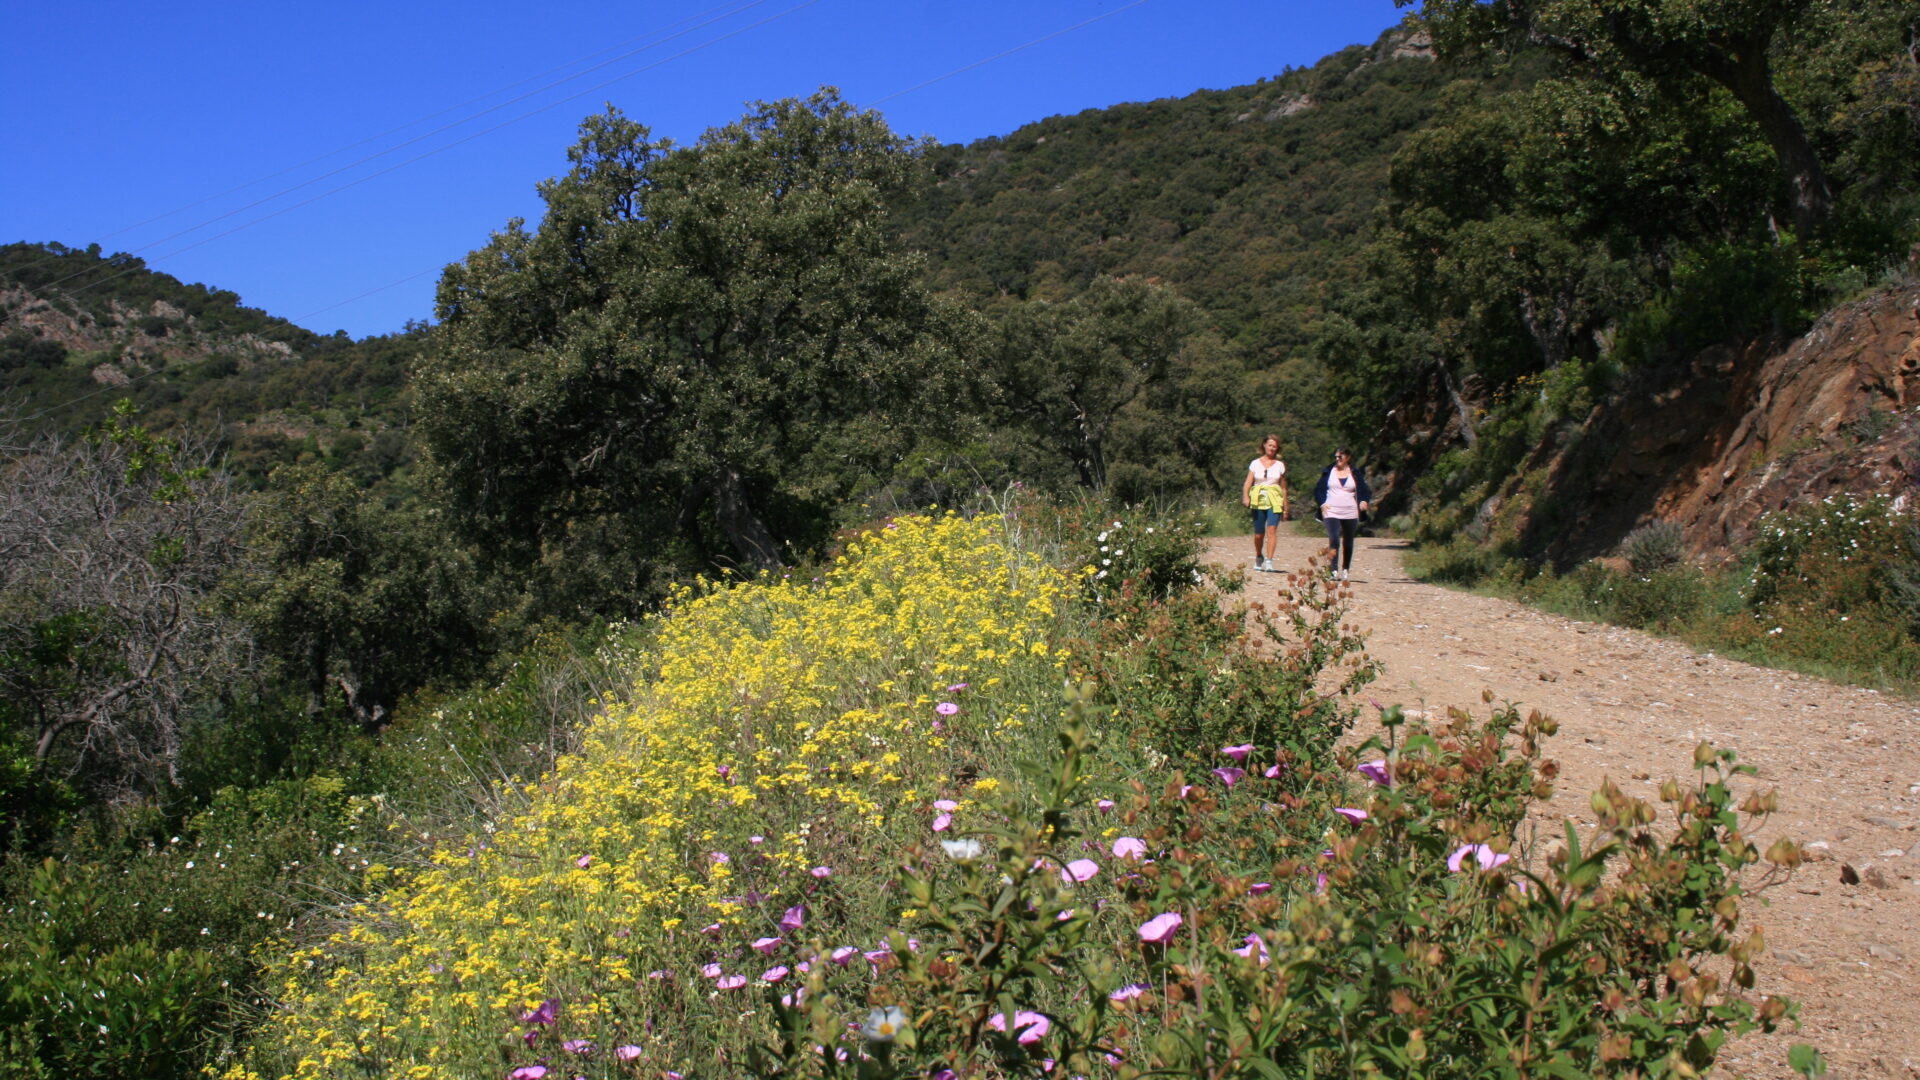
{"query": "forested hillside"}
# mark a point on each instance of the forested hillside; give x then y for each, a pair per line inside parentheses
(287, 619)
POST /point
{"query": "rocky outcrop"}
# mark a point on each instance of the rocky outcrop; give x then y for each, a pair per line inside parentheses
(1740, 432)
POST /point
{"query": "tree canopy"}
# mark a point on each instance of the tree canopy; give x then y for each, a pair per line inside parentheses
(698, 348)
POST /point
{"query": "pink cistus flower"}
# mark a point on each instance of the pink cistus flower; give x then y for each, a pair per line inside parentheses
(1259, 887)
(765, 944)
(1348, 812)
(1273, 772)
(542, 1013)
(731, 982)
(1079, 870)
(528, 1072)
(712, 971)
(1253, 945)
(660, 974)
(1238, 753)
(942, 823)
(774, 974)
(1128, 847)
(946, 806)
(843, 955)
(794, 918)
(628, 1052)
(1481, 853)
(1105, 806)
(1161, 928)
(1128, 992)
(946, 708)
(583, 861)
(1376, 771)
(712, 929)
(583, 1047)
(719, 858)
(1028, 1027)
(957, 687)
(1229, 775)
(822, 872)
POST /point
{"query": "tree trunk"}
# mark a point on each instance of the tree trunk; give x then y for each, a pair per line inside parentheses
(1467, 434)
(753, 543)
(1750, 78)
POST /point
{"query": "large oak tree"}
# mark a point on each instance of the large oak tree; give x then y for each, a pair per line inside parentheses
(694, 355)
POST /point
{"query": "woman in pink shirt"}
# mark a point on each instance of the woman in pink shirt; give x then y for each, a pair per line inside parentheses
(1343, 498)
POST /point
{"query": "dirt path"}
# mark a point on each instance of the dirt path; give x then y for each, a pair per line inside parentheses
(1632, 707)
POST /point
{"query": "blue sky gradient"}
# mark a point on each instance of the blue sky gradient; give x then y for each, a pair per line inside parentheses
(114, 112)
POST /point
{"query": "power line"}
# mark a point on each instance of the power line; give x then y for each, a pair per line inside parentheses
(348, 167)
(439, 113)
(876, 101)
(383, 288)
(441, 149)
(442, 112)
(1003, 55)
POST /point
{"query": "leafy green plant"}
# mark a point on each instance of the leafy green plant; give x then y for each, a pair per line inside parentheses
(79, 1003)
(1189, 676)
(1653, 546)
(1417, 936)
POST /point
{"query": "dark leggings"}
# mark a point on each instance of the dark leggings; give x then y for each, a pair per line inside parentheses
(1340, 534)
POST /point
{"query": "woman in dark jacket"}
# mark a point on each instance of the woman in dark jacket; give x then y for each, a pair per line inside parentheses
(1342, 498)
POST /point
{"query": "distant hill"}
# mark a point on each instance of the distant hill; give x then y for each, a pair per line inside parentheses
(79, 329)
(1248, 200)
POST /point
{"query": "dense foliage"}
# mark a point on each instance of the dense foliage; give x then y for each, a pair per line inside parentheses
(307, 697)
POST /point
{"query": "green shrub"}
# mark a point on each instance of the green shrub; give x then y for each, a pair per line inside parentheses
(80, 999)
(1190, 676)
(1653, 546)
(1658, 600)
(1259, 932)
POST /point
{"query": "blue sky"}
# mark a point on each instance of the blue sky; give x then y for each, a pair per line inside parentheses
(116, 112)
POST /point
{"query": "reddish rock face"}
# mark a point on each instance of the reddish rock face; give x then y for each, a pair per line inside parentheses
(1739, 433)
(1832, 412)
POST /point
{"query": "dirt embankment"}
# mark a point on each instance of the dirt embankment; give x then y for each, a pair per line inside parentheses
(1631, 707)
(1738, 433)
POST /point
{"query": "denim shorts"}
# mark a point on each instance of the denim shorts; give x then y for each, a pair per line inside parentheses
(1265, 519)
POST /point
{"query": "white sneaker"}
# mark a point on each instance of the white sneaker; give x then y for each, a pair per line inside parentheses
(1267, 565)
(1339, 575)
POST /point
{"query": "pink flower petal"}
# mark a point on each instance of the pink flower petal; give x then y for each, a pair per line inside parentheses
(629, 1052)
(712, 971)
(1376, 771)
(731, 982)
(1238, 753)
(794, 919)
(1128, 847)
(774, 974)
(583, 861)
(941, 823)
(946, 708)
(765, 944)
(1028, 1027)
(1104, 805)
(1259, 887)
(1229, 775)
(1351, 814)
(1079, 870)
(843, 955)
(1159, 929)
(822, 872)
(1128, 992)
(1273, 772)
